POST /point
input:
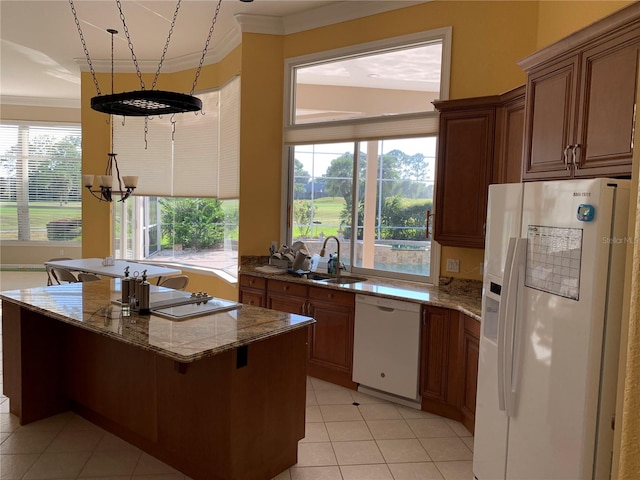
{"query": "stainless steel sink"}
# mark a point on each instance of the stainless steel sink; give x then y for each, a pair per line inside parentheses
(343, 280)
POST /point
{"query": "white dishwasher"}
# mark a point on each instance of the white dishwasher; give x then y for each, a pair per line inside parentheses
(386, 355)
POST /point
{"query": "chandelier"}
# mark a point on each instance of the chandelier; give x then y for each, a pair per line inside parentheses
(140, 103)
(104, 190)
(145, 103)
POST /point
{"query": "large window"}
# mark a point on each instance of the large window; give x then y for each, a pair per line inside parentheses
(40, 186)
(185, 209)
(361, 136)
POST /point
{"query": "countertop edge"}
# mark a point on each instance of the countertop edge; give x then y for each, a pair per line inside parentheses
(301, 323)
(467, 303)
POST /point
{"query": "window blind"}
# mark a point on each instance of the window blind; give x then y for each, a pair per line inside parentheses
(199, 159)
(40, 181)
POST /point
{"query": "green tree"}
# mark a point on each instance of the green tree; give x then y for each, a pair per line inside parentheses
(303, 212)
(300, 178)
(196, 223)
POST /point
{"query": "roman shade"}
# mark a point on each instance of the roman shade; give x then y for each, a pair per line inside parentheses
(198, 158)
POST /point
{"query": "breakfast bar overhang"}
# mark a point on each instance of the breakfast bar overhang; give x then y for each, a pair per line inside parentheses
(219, 396)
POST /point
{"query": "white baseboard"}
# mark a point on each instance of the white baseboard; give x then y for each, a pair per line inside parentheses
(407, 402)
(38, 267)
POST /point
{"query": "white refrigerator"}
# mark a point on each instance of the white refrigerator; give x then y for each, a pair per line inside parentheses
(551, 313)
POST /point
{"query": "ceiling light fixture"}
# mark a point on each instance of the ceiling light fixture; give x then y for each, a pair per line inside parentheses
(145, 103)
(105, 191)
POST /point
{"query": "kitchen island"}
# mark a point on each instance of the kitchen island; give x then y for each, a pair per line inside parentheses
(219, 396)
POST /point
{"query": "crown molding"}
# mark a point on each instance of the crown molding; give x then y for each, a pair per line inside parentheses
(222, 48)
(259, 24)
(341, 12)
(40, 101)
(318, 17)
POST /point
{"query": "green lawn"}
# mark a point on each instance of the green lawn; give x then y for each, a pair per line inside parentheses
(40, 213)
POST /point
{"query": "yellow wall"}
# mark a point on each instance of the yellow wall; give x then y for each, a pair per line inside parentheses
(557, 19)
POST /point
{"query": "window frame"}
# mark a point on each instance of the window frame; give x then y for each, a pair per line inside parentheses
(73, 128)
(313, 133)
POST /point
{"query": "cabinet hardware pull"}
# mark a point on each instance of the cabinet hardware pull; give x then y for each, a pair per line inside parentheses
(565, 153)
(573, 154)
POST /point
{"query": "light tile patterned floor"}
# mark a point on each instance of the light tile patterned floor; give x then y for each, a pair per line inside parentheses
(349, 436)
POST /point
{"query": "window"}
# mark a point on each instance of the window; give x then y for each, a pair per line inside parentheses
(361, 141)
(40, 189)
(185, 209)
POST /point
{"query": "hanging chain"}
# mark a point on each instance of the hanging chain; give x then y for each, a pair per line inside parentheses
(166, 45)
(206, 46)
(133, 55)
(84, 46)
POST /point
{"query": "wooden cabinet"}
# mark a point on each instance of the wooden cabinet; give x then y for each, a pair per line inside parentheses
(330, 355)
(449, 364)
(470, 355)
(440, 364)
(479, 142)
(580, 106)
(253, 290)
(331, 337)
(287, 297)
(507, 165)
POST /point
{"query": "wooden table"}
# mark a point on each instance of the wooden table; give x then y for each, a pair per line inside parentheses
(94, 265)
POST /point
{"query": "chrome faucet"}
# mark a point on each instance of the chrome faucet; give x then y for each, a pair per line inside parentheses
(324, 244)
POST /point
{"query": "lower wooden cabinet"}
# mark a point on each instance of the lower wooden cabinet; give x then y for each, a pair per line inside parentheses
(449, 364)
(449, 343)
(253, 290)
(331, 337)
(470, 355)
(330, 353)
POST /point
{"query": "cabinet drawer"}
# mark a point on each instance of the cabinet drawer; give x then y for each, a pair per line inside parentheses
(330, 295)
(253, 282)
(290, 288)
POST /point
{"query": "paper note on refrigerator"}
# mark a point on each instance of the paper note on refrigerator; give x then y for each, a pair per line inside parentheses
(553, 260)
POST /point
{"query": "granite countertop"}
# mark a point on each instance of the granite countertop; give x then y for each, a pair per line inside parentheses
(462, 295)
(88, 305)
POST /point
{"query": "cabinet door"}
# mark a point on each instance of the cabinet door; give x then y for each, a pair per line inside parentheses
(287, 297)
(331, 337)
(470, 353)
(607, 109)
(252, 290)
(550, 116)
(510, 139)
(465, 155)
(441, 371)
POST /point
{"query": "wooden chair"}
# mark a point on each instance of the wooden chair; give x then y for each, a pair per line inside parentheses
(50, 277)
(177, 282)
(63, 275)
(88, 277)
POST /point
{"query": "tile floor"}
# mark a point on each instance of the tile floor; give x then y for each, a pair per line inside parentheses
(349, 436)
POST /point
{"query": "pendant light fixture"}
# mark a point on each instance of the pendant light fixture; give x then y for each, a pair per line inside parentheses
(143, 102)
(105, 191)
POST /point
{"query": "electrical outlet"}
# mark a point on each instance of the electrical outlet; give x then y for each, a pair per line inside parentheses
(61, 251)
(453, 265)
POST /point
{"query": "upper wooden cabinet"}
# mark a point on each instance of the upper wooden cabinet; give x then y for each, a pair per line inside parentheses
(479, 142)
(580, 102)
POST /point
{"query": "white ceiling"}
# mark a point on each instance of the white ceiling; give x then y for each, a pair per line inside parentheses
(41, 54)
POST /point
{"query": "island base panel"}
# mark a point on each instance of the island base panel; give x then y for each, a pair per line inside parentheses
(220, 417)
